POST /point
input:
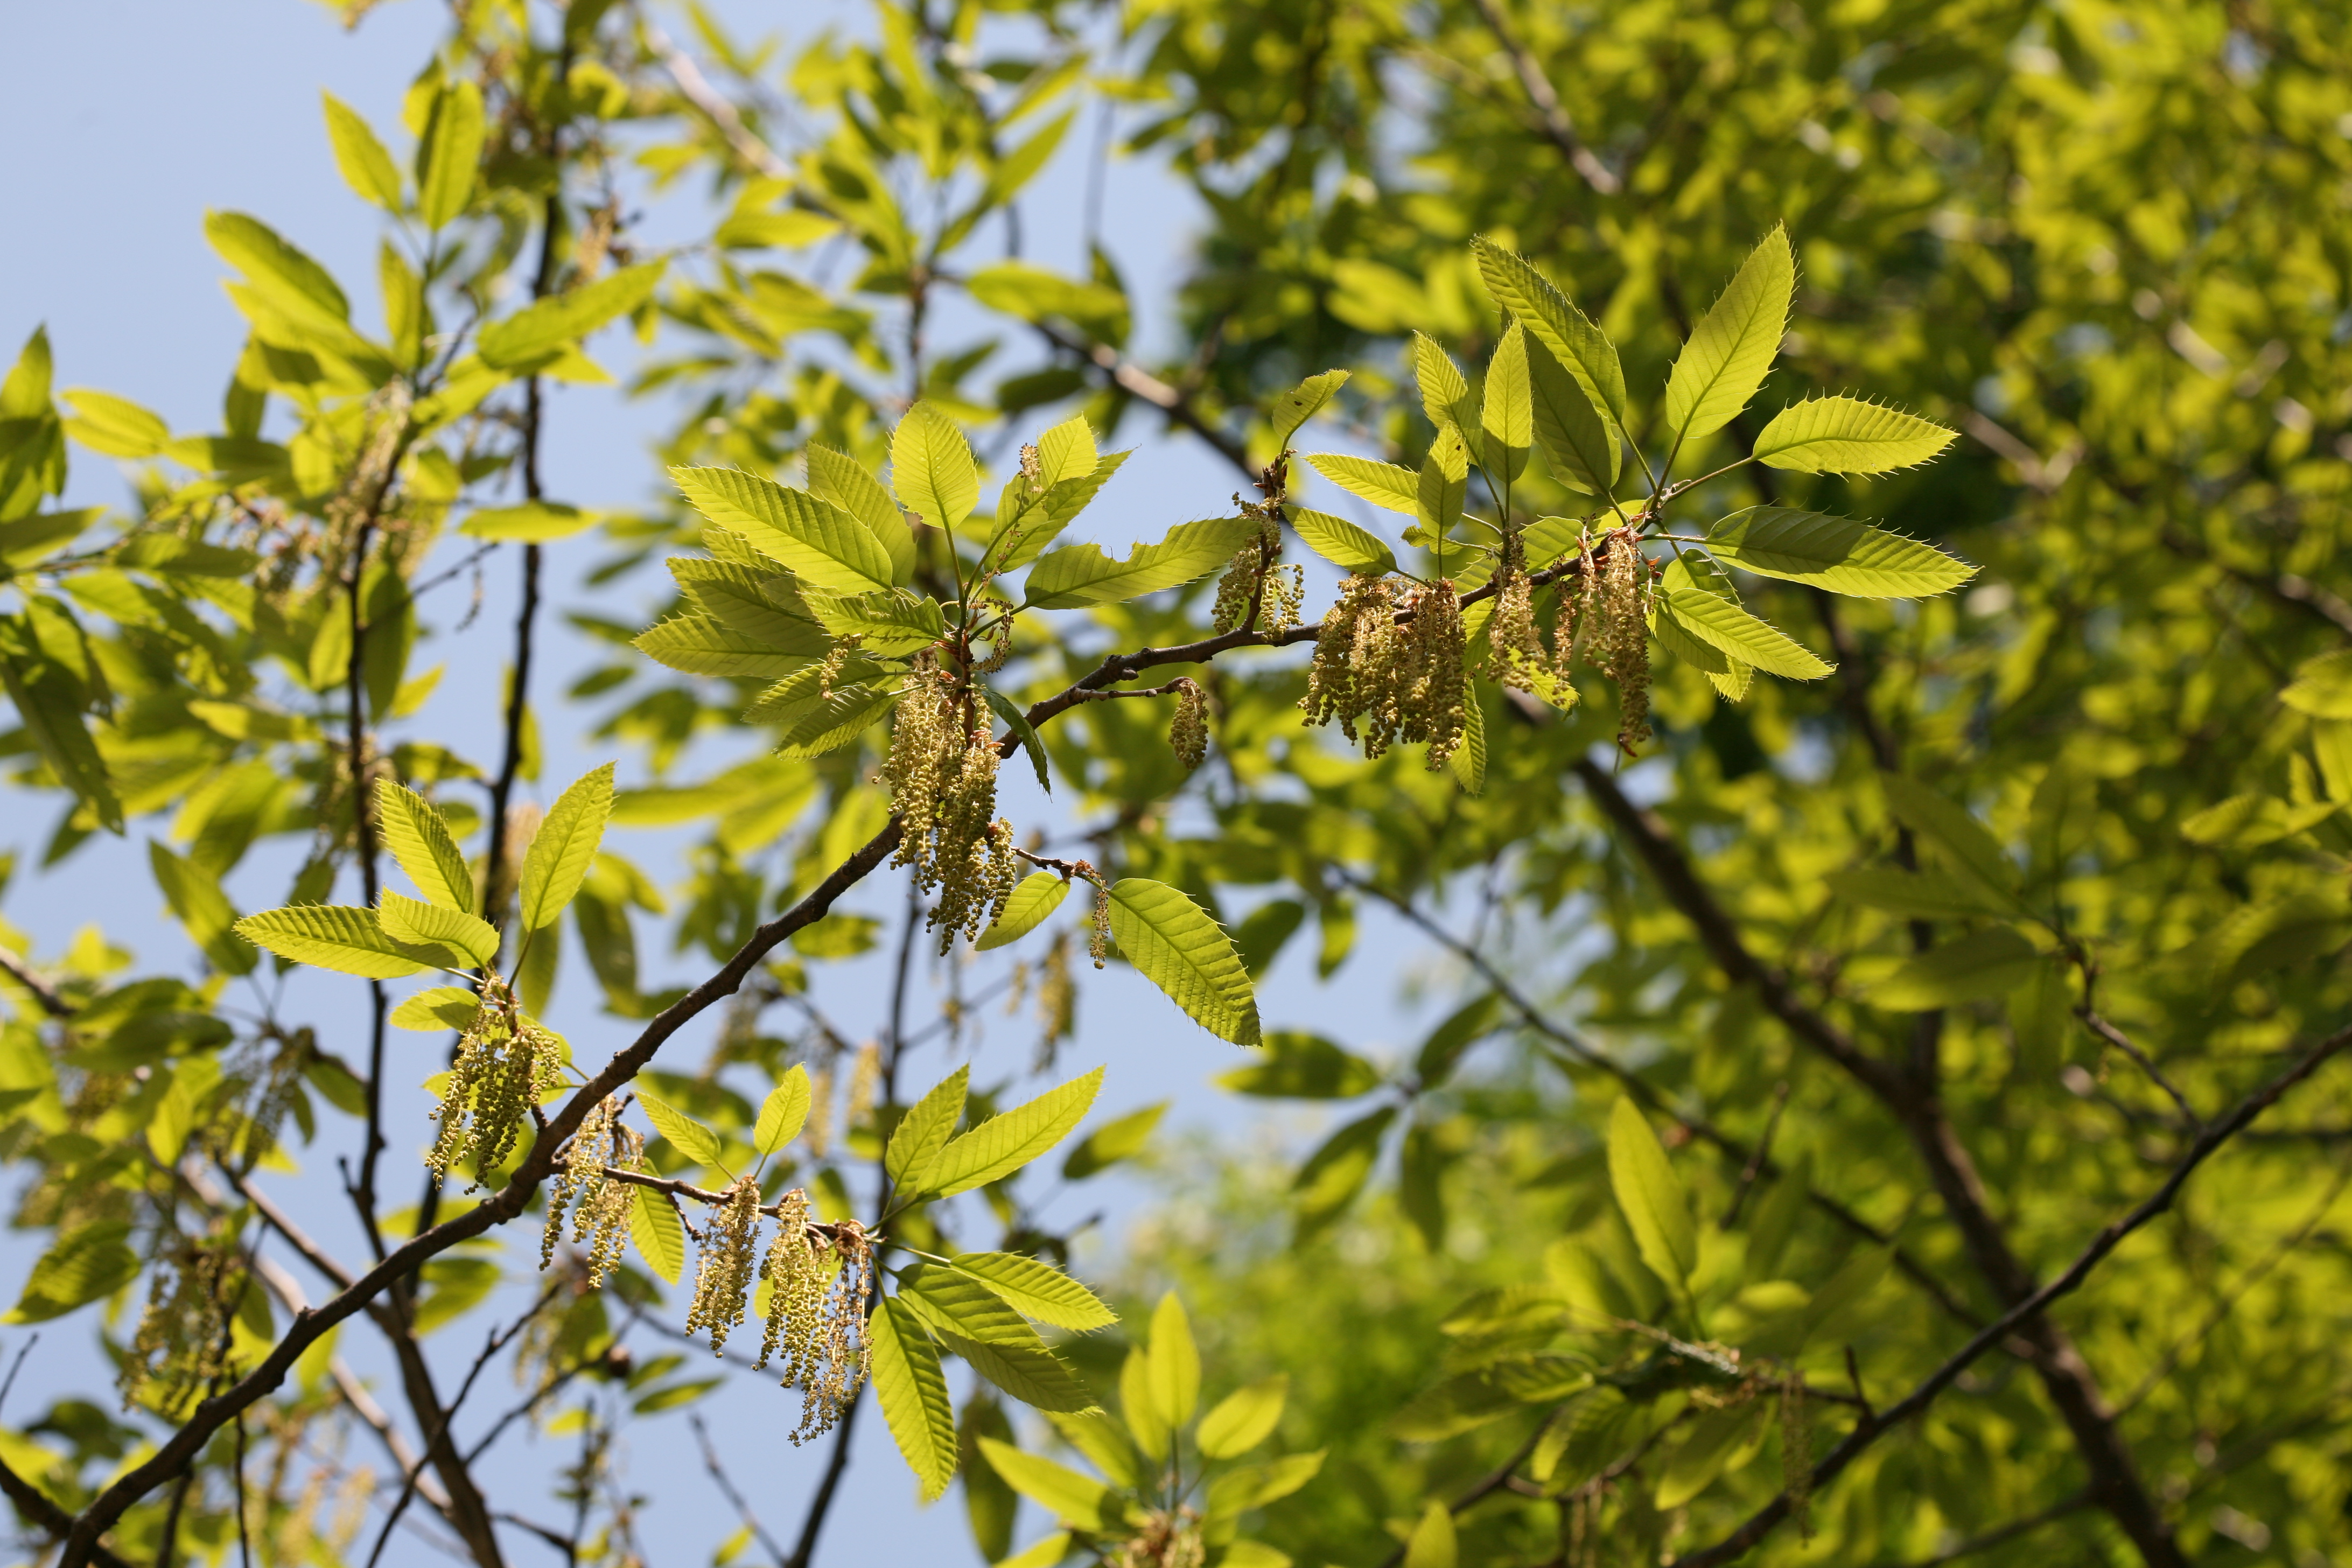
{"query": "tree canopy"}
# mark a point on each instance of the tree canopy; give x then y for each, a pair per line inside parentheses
(1795, 545)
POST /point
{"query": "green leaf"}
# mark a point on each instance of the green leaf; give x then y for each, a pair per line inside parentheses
(544, 330)
(1341, 543)
(1112, 1142)
(1029, 1374)
(448, 153)
(1580, 445)
(700, 645)
(1834, 552)
(565, 848)
(365, 165)
(825, 545)
(1021, 165)
(115, 425)
(918, 1139)
(1991, 963)
(1723, 624)
(1776, 1215)
(1651, 1197)
(1432, 1543)
(1022, 530)
(1104, 1438)
(1968, 843)
(1300, 404)
(889, 623)
(1078, 1500)
(48, 701)
(1332, 1176)
(416, 923)
(1238, 1490)
(1242, 1419)
(1055, 1548)
(1082, 575)
(347, 941)
(832, 723)
(1848, 436)
(1173, 944)
(1922, 895)
(655, 1229)
(784, 1112)
(1004, 708)
(688, 1136)
(1456, 1033)
(1038, 895)
(1003, 1145)
(1444, 395)
(1444, 482)
(1303, 1066)
(1037, 1289)
(437, 1009)
(913, 1394)
(1734, 344)
(293, 281)
(195, 896)
(842, 480)
(420, 843)
(1468, 760)
(958, 1303)
(1713, 1437)
(931, 468)
(1505, 415)
(1385, 485)
(1172, 1364)
(2322, 687)
(1152, 1437)
(1556, 325)
(532, 522)
(85, 1265)
(2250, 821)
(1032, 293)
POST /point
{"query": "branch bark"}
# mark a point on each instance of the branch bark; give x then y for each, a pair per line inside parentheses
(1916, 1104)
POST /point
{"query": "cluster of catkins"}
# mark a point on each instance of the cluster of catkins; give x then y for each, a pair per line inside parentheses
(504, 1064)
(1613, 614)
(819, 1288)
(942, 776)
(183, 1342)
(1388, 665)
(1165, 1540)
(723, 1272)
(602, 1215)
(1255, 579)
(1188, 729)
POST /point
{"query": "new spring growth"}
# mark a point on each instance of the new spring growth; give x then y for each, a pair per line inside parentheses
(722, 1273)
(1387, 682)
(1255, 581)
(1619, 644)
(183, 1342)
(1188, 730)
(1514, 641)
(942, 776)
(600, 1206)
(818, 1292)
(505, 1062)
(1098, 928)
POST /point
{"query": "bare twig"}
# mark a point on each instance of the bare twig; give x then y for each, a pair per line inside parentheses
(17, 970)
(742, 1507)
(2122, 1042)
(1557, 127)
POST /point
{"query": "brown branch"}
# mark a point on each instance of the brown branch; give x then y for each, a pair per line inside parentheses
(2031, 1310)
(47, 994)
(1916, 1104)
(212, 1414)
(1137, 381)
(2122, 1042)
(1557, 127)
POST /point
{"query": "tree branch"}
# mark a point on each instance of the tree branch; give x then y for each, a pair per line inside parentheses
(1557, 127)
(2032, 1309)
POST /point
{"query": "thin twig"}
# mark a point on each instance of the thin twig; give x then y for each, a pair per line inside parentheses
(17, 970)
(1557, 126)
(2122, 1042)
(742, 1507)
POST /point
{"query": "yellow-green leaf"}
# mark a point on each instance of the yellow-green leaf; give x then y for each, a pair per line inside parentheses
(1715, 1439)
(784, 1112)
(1242, 1419)
(448, 153)
(1173, 944)
(1112, 1142)
(1432, 1543)
(1722, 624)
(2322, 687)
(532, 522)
(541, 332)
(1082, 575)
(917, 1141)
(825, 545)
(913, 1394)
(655, 1229)
(81, 1267)
(565, 848)
(348, 940)
(1444, 482)
(1037, 1289)
(1505, 416)
(842, 480)
(1385, 485)
(1651, 1197)
(1848, 436)
(1990, 962)
(931, 468)
(420, 842)
(1556, 325)
(365, 165)
(1173, 1363)
(436, 1008)
(1078, 1500)
(115, 425)
(688, 1136)
(1834, 553)
(1341, 543)
(1003, 1145)
(1734, 343)
(1580, 445)
(415, 922)
(1300, 405)
(1038, 895)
